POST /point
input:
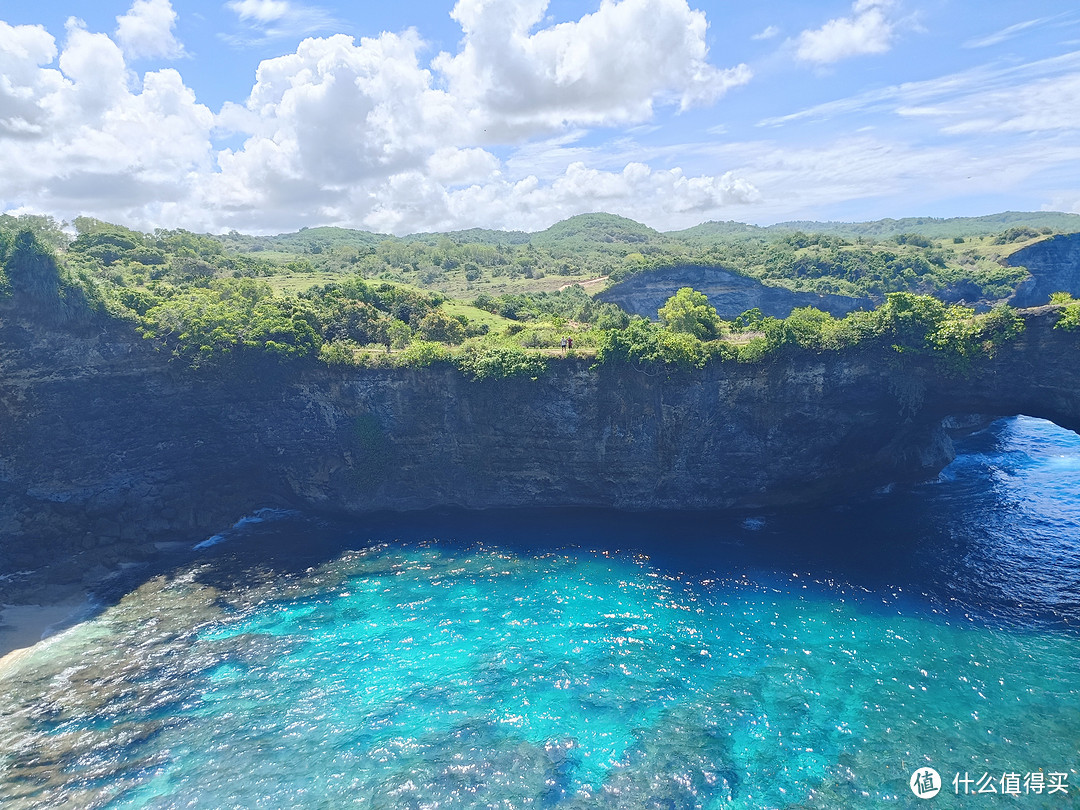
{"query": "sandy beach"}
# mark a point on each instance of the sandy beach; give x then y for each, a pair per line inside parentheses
(23, 626)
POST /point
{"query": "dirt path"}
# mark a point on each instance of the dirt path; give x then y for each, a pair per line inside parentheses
(584, 283)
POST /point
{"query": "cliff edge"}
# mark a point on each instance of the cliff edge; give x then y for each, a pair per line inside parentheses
(107, 448)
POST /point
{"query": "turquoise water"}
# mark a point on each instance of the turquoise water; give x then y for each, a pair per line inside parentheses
(587, 660)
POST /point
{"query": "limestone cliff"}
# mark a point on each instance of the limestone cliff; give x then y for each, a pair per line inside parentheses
(105, 446)
(732, 294)
(1054, 265)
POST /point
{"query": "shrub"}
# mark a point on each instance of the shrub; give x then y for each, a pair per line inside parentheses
(338, 353)
(490, 360)
(1070, 311)
(645, 343)
(423, 353)
(440, 327)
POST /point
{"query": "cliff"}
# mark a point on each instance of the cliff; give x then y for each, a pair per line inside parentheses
(1054, 265)
(105, 447)
(732, 294)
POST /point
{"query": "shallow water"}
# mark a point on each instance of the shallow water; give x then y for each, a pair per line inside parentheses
(810, 659)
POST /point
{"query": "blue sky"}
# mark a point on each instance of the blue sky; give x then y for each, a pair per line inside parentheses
(270, 115)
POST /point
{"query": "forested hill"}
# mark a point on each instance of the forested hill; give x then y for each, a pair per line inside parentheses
(939, 228)
(599, 230)
(358, 297)
(961, 258)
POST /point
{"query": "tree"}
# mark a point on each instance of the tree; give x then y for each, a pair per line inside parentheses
(689, 311)
(441, 328)
(32, 269)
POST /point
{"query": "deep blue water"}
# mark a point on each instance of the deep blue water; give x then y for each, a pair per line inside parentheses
(810, 659)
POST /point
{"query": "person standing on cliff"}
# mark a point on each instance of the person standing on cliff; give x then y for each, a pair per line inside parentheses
(563, 345)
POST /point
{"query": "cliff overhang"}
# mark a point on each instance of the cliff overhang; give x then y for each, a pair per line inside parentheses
(104, 444)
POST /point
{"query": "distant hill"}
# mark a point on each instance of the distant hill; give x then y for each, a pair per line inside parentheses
(601, 227)
(602, 233)
(306, 240)
(711, 231)
(937, 228)
(957, 259)
(610, 233)
(470, 236)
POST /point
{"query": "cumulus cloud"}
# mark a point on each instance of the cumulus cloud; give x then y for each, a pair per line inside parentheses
(362, 133)
(335, 113)
(146, 30)
(609, 67)
(23, 86)
(78, 136)
(868, 30)
(665, 197)
(769, 32)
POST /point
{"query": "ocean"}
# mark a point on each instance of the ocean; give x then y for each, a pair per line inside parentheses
(920, 649)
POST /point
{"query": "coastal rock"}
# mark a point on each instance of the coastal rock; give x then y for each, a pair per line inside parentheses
(732, 294)
(137, 451)
(1054, 265)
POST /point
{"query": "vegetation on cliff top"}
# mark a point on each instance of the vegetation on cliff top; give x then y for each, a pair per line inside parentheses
(351, 298)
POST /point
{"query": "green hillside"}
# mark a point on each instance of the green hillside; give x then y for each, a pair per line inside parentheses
(991, 224)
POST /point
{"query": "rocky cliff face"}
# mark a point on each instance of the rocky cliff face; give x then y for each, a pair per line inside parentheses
(1054, 265)
(106, 447)
(731, 294)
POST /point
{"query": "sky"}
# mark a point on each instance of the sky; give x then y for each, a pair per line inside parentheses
(265, 116)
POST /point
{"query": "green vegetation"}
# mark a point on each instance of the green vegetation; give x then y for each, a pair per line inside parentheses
(48, 289)
(690, 312)
(906, 324)
(503, 304)
(1070, 311)
(959, 258)
(230, 317)
(937, 228)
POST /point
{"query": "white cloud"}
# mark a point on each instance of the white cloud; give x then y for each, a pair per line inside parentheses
(454, 166)
(911, 96)
(22, 84)
(868, 30)
(364, 132)
(360, 133)
(1046, 105)
(664, 197)
(871, 176)
(609, 67)
(83, 140)
(263, 11)
(146, 30)
(265, 20)
(1067, 201)
(1004, 34)
(335, 113)
(770, 32)
(371, 133)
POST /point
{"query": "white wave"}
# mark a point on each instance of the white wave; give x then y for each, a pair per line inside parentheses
(264, 515)
(210, 541)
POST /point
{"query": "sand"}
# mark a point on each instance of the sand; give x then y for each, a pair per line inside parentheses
(23, 626)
